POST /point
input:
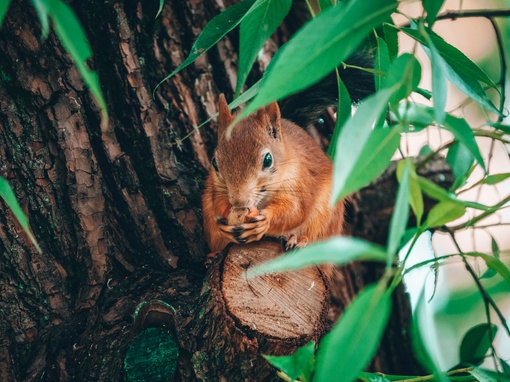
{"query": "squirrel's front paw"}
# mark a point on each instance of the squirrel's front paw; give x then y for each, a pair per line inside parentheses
(253, 230)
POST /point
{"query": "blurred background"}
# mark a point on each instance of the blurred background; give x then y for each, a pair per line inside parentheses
(457, 304)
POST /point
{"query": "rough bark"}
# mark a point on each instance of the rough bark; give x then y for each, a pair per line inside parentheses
(117, 212)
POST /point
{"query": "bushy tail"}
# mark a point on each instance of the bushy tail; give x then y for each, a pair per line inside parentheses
(305, 107)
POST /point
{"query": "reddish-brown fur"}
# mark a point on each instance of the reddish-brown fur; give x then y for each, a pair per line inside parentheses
(297, 186)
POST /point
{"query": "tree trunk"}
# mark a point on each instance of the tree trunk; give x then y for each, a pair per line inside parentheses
(116, 212)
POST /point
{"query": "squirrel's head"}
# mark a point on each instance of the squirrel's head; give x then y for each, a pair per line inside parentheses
(248, 164)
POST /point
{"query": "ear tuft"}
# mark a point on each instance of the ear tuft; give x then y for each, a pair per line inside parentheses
(273, 113)
(225, 117)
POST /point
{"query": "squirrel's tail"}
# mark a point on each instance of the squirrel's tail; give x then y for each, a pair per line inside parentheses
(305, 107)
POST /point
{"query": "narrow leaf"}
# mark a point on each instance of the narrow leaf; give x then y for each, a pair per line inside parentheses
(420, 350)
(444, 212)
(500, 126)
(73, 38)
(416, 195)
(432, 7)
(391, 38)
(405, 75)
(352, 140)
(256, 27)
(324, 4)
(294, 365)
(214, 31)
(41, 7)
(7, 194)
(463, 133)
(483, 375)
(489, 273)
(460, 160)
(339, 250)
(476, 343)
(353, 341)
(4, 6)
(318, 48)
(460, 70)
(343, 113)
(496, 178)
(161, 4)
(439, 84)
(401, 211)
(373, 160)
(382, 62)
(453, 57)
(493, 263)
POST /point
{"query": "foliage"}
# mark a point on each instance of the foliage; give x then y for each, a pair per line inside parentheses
(367, 142)
(362, 147)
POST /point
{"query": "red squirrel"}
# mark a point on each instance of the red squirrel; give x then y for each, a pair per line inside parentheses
(270, 178)
(272, 168)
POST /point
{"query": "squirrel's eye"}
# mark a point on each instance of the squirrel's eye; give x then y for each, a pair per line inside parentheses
(268, 161)
(215, 164)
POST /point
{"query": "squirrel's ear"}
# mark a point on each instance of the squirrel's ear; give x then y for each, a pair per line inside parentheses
(225, 117)
(273, 112)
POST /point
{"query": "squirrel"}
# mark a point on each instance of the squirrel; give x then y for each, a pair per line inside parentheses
(271, 178)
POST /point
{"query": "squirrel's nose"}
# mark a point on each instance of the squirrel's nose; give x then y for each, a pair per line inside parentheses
(238, 201)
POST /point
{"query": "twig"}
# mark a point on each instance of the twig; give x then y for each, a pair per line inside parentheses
(453, 15)
(486, 297)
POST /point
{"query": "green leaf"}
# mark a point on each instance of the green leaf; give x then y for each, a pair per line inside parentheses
(318, 48)
(256, 27)
(405, 74)
(8, 196)
(294, 365)
(73, 38)
(444, 212)
(424, 93)
(370, 377)
(489, 273)
(489, 375)
(161, 3)
(382, 62)
(496, 178)
(460, 70)
(214, 31)
(439, 84)
(344, 112)
(354, 339)
(493, 263)
(425, 150)
(434, 191)
(416, 200)
(374, 159)
(460, 160)
(420, 351)
(432, 7)
(476, 343)
(42, 9)
(391, 38)
(500, 126)
(339, 250)
(324, 4)
(4, 6)
(463, 133)
(416, 195)
(418, 116)
(482, 376)
(359, 147)
(400, 214)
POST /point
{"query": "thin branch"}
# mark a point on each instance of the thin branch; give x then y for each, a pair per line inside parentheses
(453, 15)
(486, 297)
